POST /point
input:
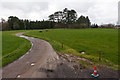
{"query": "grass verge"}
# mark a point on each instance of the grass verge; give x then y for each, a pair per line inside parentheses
(13, 47)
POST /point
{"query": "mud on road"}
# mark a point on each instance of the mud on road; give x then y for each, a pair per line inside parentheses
(42, 61)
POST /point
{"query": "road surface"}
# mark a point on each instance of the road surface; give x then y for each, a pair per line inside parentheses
(28, 65)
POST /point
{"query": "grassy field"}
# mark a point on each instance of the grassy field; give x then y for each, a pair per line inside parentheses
(88, 40)
(13, 47)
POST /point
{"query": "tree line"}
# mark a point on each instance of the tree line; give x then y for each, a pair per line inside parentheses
(14, 23)
(60, 19)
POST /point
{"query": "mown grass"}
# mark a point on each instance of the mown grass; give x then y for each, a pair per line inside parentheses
(13, 47)
(88, 40)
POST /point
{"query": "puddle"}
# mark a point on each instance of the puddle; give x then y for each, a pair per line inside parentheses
(32, 64)
(18, 76)
(24, 36)
(82, 52)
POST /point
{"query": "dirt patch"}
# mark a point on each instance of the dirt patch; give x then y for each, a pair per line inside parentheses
(70, 67)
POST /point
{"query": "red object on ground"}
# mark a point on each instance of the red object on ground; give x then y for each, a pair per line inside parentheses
(95, 73)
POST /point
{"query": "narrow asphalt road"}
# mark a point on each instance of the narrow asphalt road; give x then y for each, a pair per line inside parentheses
(28, 65)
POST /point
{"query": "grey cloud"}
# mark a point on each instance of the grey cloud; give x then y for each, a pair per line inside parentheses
(99, 11)
(79, 6)
(26, 7)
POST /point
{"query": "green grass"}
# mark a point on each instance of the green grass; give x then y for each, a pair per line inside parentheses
(88, 40)
(13, 47)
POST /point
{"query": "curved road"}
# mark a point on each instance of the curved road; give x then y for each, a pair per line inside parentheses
(28, 65)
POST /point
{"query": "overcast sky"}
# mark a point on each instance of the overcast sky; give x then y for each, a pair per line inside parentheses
(99, 11)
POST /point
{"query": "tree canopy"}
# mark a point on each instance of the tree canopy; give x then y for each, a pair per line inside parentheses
(66, 16)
